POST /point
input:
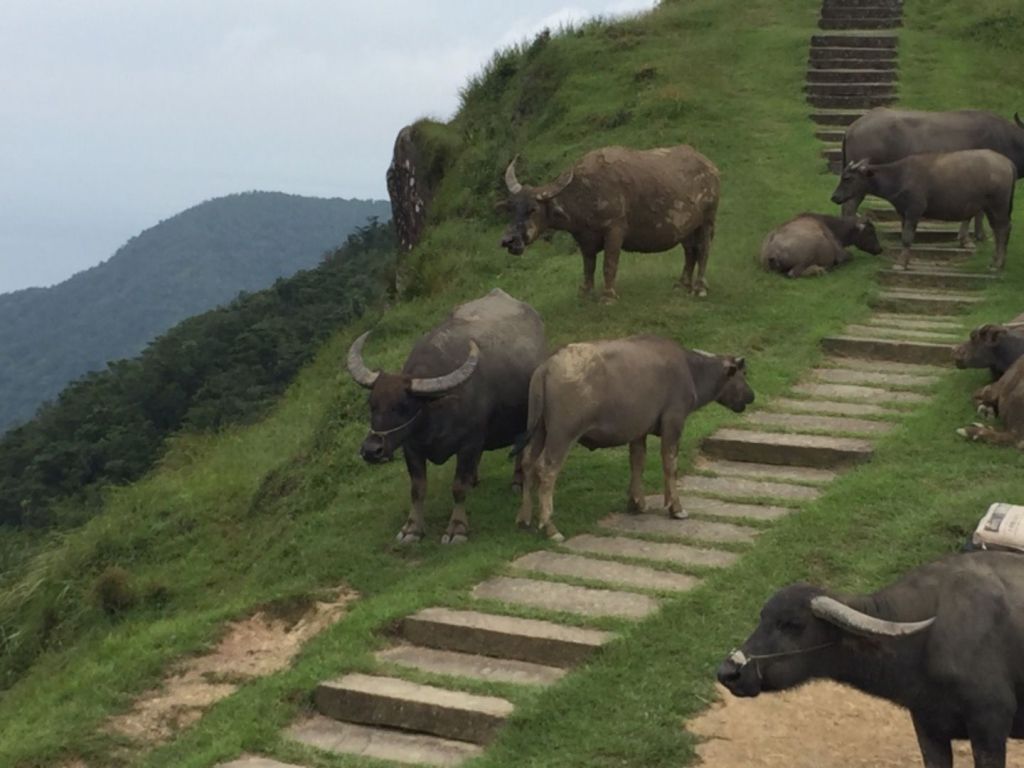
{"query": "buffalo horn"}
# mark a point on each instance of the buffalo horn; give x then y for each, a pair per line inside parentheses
(845, 617)
(356, 367)
(557, 188)
(510, 178)
(1017, 120)
(439, 385)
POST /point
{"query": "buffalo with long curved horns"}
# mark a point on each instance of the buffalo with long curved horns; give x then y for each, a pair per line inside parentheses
(463, 390)
(944, 642)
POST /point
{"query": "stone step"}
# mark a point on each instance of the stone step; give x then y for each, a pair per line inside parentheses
(862, 23)
(862, 12)
(705, 506)
(836, 116)
(897, 332)
(847, 52)
(830, 407)
(391, 702)
(918, 322)
(897, 4)
(850, 89)
(873, 378)
(941, 253)
(873, 42)
(850, 102)
(838, 62)
(786, 448)
(606, 571)
(923, 302)
(655, 551)
(255, 761)
(398, 746)
(566, 598)
(926, 234)
(935, 278)
(775, 472)
(851, 76)
(830, 136)
(927, 352)
(745, 488)
(658, 523)
(475, 666)
(883, 366)
(809, 424)
(506, 637)
(858, 393)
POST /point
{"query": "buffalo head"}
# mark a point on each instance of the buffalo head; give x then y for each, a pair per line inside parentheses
(981, 348)
(532, 209)
(397, 400)
(853, 183)
(865, 238)
(736, 393)
(799, 624)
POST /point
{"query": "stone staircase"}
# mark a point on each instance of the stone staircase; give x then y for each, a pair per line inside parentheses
(770, 464)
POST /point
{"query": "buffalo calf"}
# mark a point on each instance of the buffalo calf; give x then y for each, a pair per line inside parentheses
(812, 243)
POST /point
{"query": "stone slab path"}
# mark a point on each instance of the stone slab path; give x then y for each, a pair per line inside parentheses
(770, 464)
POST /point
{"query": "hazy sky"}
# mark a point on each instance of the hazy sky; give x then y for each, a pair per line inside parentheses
(115, 114)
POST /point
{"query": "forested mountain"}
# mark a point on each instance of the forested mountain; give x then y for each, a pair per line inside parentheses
(199, 259)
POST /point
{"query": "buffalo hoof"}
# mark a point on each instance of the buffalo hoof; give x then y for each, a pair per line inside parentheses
(585, 292)
(553, 534)
(700, 291)
(609, 297)
(678, 513)
(683, 285)
(409, 537)
(454, 538)
(524, 525)
(635, 506)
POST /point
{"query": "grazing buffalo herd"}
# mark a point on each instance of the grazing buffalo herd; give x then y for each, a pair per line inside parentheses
(945, 641)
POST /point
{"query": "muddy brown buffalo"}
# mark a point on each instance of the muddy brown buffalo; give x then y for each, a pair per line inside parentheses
(812, 244)
(617, 392)
(617, 199)
(1004, 400)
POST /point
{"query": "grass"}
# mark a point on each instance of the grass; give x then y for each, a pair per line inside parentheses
(285, 507)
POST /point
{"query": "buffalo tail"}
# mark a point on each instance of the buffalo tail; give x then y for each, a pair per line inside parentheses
(535, 412)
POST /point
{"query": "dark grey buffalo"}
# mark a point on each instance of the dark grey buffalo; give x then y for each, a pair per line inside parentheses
(951, 186)
(885, 135)
(992, 346)
(1005, 399)
(616, 392)
(812, 243)
(618, 199)
(944, 642)
(463, 390)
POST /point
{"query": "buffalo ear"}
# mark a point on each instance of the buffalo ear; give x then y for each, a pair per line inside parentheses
(503, 206)
(1017, 120)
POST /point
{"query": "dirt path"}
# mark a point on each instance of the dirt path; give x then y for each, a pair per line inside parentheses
(822, 725)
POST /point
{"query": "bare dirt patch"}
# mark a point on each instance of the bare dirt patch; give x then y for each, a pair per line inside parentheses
(821, 725)
(254, 647)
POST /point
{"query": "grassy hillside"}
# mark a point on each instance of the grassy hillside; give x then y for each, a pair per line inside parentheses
(191, 262)
(285, 507)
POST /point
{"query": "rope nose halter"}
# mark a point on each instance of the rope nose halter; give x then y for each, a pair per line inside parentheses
(741, 660)
(399, 428)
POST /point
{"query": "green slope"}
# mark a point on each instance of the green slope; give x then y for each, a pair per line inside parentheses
(285, 507)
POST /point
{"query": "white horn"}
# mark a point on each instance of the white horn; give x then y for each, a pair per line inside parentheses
(557, 188)
(510, 178)
(440, 385)
(356, 367)
(834, 612)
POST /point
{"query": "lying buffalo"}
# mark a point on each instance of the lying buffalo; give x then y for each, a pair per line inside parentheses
(944, 642)
(610, 393)
(885, 135)
(617, 198)
(463, 390)
(811, 244)
(1005, 399)
(950, 187)
(995, 347)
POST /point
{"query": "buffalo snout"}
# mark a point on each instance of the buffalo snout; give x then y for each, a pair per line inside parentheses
(513, 243)
(741, 679)
(374, 451)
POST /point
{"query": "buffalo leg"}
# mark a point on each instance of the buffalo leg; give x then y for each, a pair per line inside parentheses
(979, 228)
(669, 460)
(936, 750)
(1001, 232)
(964, 237)
(414, 527)
(589, 267)
(981, 433)
(637, 455)
(689, 262)
(529, 456)
(612, 248)
(702, 242)
(549, 464)
(517, 474)
(988, 736)
(907, 240)
(467, 463)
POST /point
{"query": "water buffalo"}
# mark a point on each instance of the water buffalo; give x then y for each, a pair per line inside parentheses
(616, 392)
(995, 347)
(617, 198)
(463, 390)
(944, 642)
(1005, 399)
(812, 244)
(885, 135)
(949, 186)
